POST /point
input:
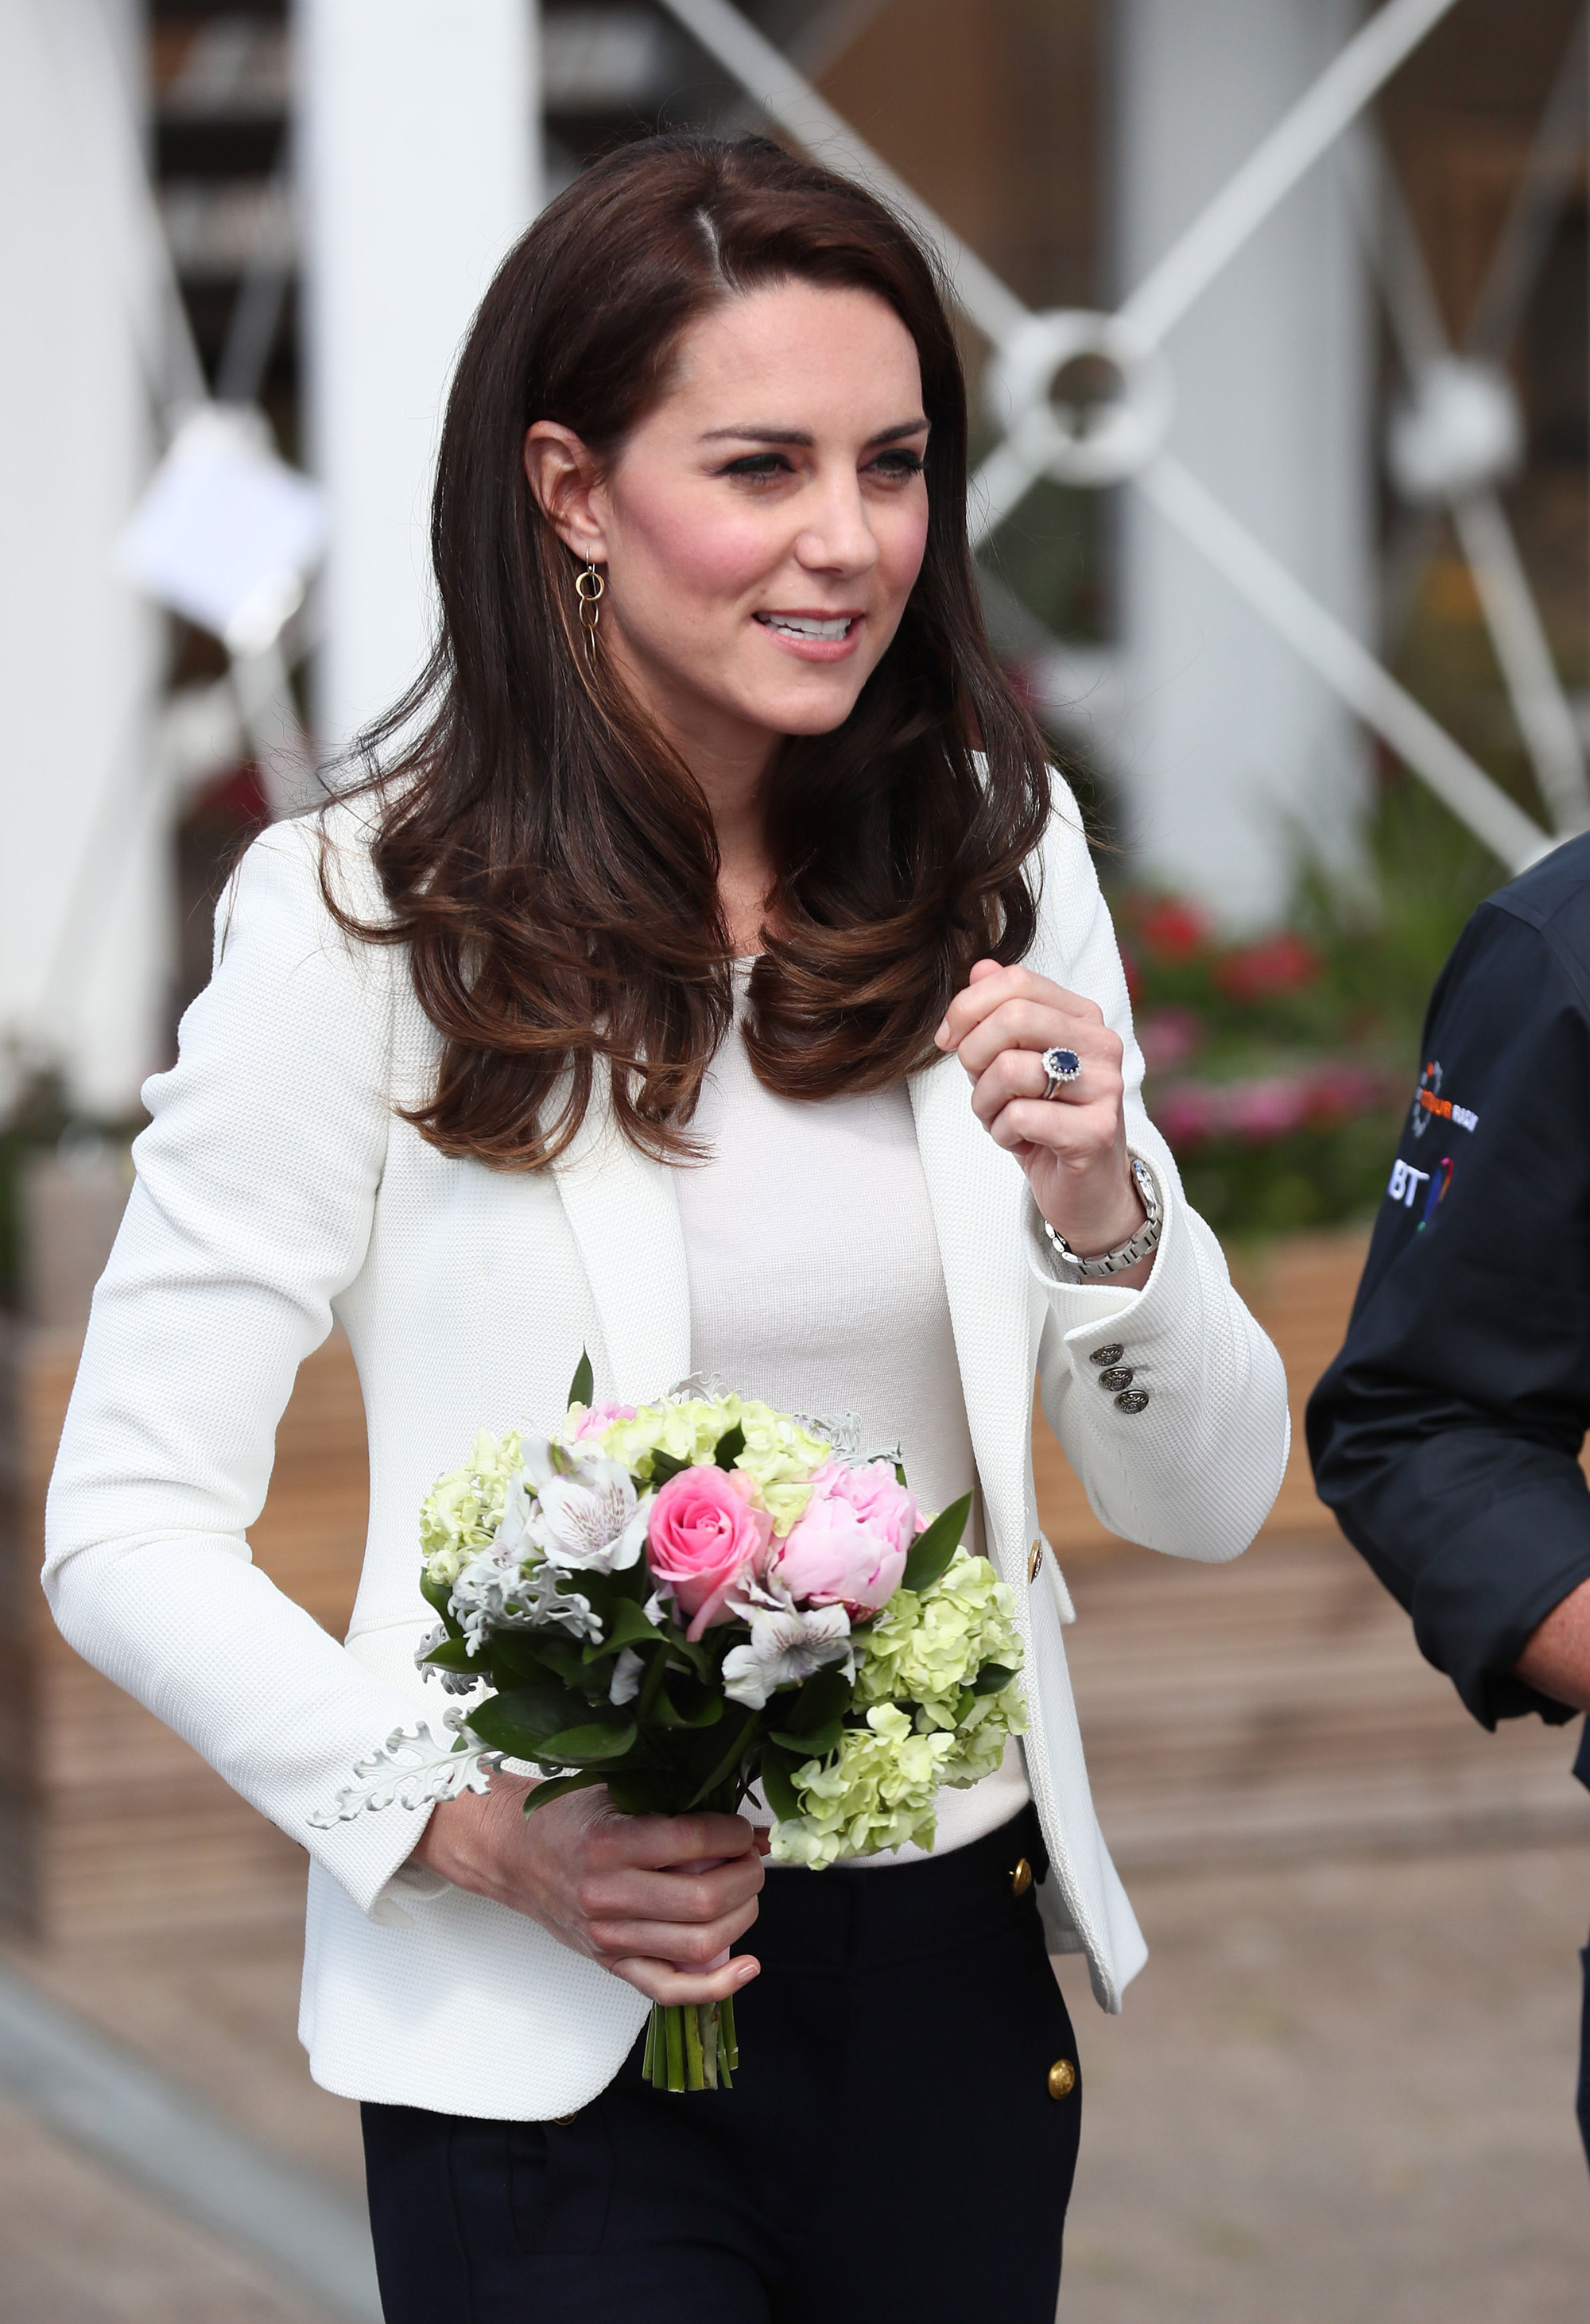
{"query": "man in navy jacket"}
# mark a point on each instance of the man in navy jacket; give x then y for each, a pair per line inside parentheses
(1446, 1436)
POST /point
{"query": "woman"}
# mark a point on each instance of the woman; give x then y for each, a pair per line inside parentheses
(678, 987)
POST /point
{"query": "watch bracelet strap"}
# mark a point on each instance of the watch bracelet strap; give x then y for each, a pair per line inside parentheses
(1100, 1266)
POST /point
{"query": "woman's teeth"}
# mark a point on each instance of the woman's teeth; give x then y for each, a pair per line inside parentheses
(800, 625)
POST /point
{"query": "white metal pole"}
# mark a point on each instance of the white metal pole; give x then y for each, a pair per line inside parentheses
(1353, 76)
(77, 649)
(419, 129)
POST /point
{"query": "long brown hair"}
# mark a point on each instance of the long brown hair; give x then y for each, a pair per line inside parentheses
(546, 858)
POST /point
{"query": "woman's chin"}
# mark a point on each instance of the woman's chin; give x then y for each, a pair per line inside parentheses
(808, 710)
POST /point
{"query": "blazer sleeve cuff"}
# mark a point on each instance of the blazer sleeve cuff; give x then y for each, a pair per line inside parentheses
(1083, 1307)
(411, 1883)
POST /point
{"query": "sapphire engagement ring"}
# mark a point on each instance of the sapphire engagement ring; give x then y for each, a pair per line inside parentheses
(1060, 1065)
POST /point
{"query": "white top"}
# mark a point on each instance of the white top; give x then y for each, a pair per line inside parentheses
(815, 1285)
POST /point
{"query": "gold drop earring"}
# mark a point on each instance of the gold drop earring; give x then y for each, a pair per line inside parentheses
(588, 587)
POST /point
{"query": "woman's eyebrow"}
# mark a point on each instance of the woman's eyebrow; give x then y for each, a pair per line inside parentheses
(752, 432)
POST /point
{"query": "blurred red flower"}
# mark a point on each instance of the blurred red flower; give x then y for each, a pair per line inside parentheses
(1283, 963)
(1172, 928)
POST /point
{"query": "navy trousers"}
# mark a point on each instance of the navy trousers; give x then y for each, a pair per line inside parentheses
(891, 2147)
(1583, 2091)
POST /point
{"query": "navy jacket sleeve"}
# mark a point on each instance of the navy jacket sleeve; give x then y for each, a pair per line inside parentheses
(1446, 1436)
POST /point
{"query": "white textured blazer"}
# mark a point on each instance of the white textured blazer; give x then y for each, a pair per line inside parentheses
(277, 1189)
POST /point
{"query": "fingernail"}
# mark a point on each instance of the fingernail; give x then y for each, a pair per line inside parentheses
(748, 1969)
(942, 1035)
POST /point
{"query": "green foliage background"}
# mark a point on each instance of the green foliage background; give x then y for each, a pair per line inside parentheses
(1376, 952)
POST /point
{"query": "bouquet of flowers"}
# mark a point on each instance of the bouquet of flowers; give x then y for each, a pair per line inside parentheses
(683, 1601)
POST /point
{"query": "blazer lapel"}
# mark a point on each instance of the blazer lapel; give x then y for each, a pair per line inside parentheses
(625, 1216)
(976, 1192)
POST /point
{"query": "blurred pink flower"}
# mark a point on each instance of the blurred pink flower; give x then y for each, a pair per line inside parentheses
(1316, 1097)
(1168, 1037)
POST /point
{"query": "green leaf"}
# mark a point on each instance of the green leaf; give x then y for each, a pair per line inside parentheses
(626, 1626)
(588, 1745)
(665, 1465)
(814, 1746)
(582, 1387)
(561, 1655)
(777, 1788)
(826, 1696)
(931, 1552)
(730, 1446)
(634, 1581)
(992, 1679)
(437, 1596)
(513, 1658)
(519, 1722)
(637, 1791)
(692, 1652)
(705, 1711)
(453, 1654)
(554, 1786)
(725, 1768)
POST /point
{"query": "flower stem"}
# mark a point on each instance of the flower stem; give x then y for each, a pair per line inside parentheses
(651, 2044)
(672, 2020)
(726, 2019)
(694, 2068)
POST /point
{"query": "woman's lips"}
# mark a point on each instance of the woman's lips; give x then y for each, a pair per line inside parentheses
(814, 637)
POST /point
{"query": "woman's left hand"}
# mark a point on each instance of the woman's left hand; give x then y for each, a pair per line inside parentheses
(1072, 1146)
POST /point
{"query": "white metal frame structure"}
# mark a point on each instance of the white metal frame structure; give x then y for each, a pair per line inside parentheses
(1030, 350)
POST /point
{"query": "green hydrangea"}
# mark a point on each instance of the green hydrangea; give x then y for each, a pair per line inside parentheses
(927, 1649)
(462, 1509)
(981, 1732)
(877, 1791)
(779, 1454)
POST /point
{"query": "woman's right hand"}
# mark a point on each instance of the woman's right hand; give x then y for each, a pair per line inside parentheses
(610, 1886)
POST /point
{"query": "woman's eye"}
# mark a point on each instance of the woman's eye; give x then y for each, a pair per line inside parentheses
(758, 467)
(896, 465)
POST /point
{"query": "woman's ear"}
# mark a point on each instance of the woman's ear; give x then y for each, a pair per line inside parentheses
(563, 477)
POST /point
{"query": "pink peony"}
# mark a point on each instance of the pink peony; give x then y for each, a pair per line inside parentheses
(849, 1547)
(703, 1537)
(600, 1416)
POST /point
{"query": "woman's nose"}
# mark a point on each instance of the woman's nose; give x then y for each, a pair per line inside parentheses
(837, 538)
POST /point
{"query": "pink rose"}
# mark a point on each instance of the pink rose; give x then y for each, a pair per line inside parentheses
(703, 1537)
(600, 1416)
(849, 1547)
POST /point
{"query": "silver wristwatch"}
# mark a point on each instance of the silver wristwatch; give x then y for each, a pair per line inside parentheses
(1072, 1265)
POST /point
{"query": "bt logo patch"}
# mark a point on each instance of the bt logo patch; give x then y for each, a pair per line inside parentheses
(1406, 1182)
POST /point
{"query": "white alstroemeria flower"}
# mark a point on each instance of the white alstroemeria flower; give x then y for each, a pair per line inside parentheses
(625, 1683)
(587, 1517)
(787, 1644)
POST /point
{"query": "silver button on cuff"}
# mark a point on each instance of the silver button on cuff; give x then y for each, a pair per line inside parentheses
(1131, 1399)
(1118, 1376)
(1110, 1354)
